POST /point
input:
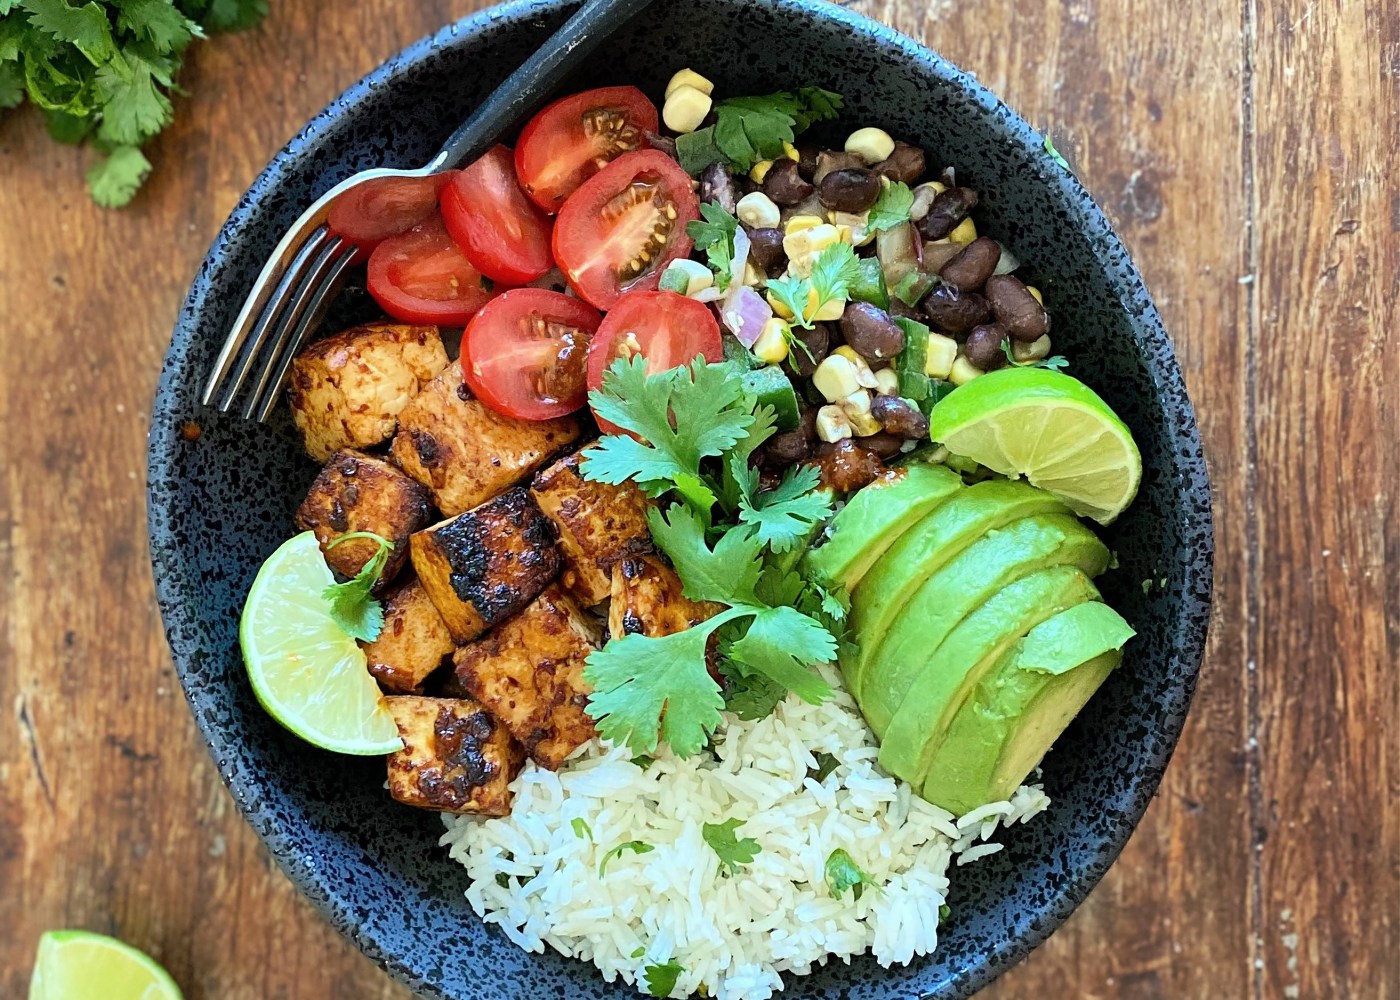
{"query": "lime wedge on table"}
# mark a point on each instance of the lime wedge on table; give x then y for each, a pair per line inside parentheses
(307, 673)
(78, 965)
(1049, 427)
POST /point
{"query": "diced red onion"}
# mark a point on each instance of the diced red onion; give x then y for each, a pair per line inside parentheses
(745, 313)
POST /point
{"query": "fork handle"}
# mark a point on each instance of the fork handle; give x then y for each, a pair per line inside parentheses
(537, 76)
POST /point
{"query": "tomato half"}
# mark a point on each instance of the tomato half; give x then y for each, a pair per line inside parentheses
(385, 206)
(422, 277)
(619, 230)
(525, 353)
(498, 228)
(669, 330)
(575, 137)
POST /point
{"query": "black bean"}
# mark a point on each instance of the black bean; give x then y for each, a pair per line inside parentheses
(807, 161)
(952, 311)
(817, 341)
(786, 448)
(947, 210)
(884, 444)
(983, 346)
(829, 160)
(898, 307)
(905, 164)
(766, 250)
(808, 424)
(664, 143)
(1016, 308)
(899, 417)
(717, 184)
(784, 185)
(852, 189)
(971, 268)
(870, 331)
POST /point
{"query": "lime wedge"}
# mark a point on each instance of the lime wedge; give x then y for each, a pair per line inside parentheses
(1048, 427)
(78, 965)
(309, 675)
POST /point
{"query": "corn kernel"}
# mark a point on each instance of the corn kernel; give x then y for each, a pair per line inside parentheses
(923, 199)
(832, 425)
(753, 277)
(1035, 294)
(812, 240)
(865, 376)
(828, 313)
(779, 307)
(965, 232)
(757, 211)
(772, 343)
(790, 151)
(689, 78)
(942, 352)
(1036, 350)
(759, 171)
(964, 371)
(887, 382)
(685, 109)
(871, 144)
(798, 223)
(835, 378)
(856, 406)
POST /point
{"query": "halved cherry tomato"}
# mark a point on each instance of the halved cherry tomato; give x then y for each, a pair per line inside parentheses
(384, 207)
(575, 137)
(422, 277)
(498, 228)
(669, 330)
(619, 230)
(525, 353)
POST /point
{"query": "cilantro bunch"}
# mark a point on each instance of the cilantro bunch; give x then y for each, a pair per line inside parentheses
(732, 542)
(103, 71)
(750, 129)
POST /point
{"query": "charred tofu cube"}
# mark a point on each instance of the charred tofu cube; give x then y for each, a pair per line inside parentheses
(357, 492)
(347, 391)
(467, 453)
(598, 524)
(413, 642)
(483, 566)
(648, 599)
(528, 673)
(455, 757)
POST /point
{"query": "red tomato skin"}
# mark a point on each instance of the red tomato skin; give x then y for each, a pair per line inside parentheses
(501, 231)
(430, 246)
(487, 333)
(576, 236)
(367, 214)
(550, 129)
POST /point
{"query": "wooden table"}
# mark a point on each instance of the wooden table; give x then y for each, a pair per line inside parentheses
(1247, 153)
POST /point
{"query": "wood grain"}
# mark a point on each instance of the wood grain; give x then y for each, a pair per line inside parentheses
(1246, 151)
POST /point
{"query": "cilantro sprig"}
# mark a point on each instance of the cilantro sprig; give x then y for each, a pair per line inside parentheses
(660, 980)
(843, 873)
(1055, 363)
(695, 432)
(835, 270)
(103, 72)
(891, 208)
(732, 850)
(750, 129)
(351, 606)
(714, 234)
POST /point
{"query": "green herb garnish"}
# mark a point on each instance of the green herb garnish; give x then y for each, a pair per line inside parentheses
(581, 828)
(843, 873)
(750, 129)
(1055, 363)
(835, 270)
(352, 607)
(635, 846)
(660, 980)
(714, 234)
(733, 851)
(892, 208)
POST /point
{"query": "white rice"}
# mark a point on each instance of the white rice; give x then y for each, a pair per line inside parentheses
(733, 934)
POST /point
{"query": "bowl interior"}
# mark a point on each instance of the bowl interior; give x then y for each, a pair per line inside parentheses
(221, 501)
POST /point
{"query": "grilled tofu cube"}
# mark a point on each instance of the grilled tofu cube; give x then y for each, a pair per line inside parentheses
(413, 642)
(598, 524)
(647, 599)
(455, 757)
(357, 492)
(483, 566)
(528, 672)
(347, 391)
(467, 453)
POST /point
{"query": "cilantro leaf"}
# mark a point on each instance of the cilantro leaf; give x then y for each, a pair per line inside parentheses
(779, 644)
(135, 108)
(158, 22)
(834, 271)
(892, 208)
(660, 980)
(752, 696)
(673, 695)
(85, 28)
(635, 846)
(944, 912)
(114, 179)
(581, 828)
(714, 234)
(1055, 364)
(697, 150)
(816, 105)
(11, 85)
(733, 851)
(230, 15)
(843, 873)
(728, 573)
(352, 607)
(826, 763)
(785, 515)
(750, 129)
(739, 479)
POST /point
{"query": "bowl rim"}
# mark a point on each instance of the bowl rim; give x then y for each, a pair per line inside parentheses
(1087, 216)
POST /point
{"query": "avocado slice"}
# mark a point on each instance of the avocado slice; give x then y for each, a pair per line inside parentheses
(1001, 557)
(952, 671)
(925, 548)
(875, 517)
(1023, 705)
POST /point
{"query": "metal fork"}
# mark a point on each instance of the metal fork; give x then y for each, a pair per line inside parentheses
(309, 264)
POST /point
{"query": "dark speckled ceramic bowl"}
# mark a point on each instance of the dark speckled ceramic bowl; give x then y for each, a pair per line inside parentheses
(222, 501)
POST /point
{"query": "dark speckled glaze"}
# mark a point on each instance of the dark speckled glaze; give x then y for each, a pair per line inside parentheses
(221, 502)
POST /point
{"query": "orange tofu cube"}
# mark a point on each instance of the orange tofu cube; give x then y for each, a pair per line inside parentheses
(455, 757)
(413, 642)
